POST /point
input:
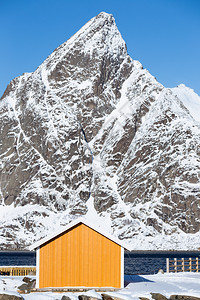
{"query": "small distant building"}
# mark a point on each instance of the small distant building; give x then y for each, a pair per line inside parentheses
(80, 255)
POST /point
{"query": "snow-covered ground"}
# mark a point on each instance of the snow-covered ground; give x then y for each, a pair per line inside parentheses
(141, 286)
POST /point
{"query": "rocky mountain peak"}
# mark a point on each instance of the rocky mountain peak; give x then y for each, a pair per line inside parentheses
(92, 133)
(99, 37)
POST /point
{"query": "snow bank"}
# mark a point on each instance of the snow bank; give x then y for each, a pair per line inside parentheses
(139, 286)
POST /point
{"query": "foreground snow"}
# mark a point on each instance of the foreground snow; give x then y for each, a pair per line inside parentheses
(138, 286)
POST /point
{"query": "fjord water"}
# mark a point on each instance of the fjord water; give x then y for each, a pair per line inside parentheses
(150, 262)
(17, 258)
(135, 263)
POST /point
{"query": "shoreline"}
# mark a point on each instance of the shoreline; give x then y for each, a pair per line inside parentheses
(19, 251)
(160, 251)
(125, 252)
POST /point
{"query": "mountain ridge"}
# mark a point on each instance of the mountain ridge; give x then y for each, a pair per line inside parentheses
(90, 132)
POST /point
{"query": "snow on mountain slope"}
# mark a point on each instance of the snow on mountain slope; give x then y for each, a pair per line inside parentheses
(190, 99)
(92, 133)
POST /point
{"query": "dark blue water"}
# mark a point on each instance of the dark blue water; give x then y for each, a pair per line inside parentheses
(15, 258)
(135, 263)
(150, 262)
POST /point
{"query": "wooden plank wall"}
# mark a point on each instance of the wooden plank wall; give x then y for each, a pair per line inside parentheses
(80, 257)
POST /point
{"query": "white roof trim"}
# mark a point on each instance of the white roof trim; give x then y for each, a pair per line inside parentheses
(74, 223)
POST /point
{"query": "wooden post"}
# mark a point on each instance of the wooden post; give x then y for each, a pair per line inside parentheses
(197, 264)
(183, 265)
(167, 265)
(190, 264)
(175, 265)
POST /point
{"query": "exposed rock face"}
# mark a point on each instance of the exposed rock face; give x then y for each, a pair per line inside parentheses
(28, 285)
(91, 132)
(10, 297)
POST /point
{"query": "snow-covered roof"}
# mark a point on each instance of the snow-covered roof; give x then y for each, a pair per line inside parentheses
(74, 223)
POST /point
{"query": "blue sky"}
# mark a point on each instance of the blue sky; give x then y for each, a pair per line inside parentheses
(164, 35)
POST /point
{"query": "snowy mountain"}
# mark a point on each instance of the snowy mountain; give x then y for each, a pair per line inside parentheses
(92, 133)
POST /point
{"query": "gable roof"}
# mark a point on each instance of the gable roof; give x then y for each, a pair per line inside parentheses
(100, 230)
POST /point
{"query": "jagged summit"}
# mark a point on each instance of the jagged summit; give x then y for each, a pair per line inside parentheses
(92, 133)
(100, 36)
(104, 15)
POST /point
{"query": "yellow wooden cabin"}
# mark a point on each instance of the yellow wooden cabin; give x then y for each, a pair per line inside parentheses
(80, 255)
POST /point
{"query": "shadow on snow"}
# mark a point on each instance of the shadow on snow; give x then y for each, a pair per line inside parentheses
(134, 278)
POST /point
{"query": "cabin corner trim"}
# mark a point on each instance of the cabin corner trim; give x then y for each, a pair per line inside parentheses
(122, 267)
(37, 267)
